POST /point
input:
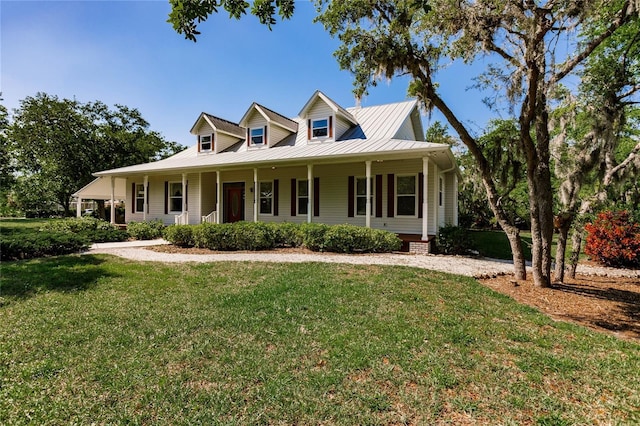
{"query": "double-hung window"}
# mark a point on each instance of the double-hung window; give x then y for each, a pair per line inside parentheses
(205, 143)
(303, 196)
(406, 195)
(361, 196)
(266, 197)
(175, 197)
(139, 198)
(320, 128)
(257, 136)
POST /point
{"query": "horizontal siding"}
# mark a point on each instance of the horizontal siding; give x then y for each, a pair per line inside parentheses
(451, 194)
(406, 130)
(342, 126)
(276, 134)
(333, 194)
(223, 142)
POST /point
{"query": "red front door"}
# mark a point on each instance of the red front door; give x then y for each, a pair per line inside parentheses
(234, 204)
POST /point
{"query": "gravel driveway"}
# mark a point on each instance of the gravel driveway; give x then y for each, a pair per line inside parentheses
(472, 267)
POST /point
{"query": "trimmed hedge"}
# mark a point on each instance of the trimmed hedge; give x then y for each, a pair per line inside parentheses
(454, 240)
(265, 236)
(95, 230)
(28, 245)
(149, 230)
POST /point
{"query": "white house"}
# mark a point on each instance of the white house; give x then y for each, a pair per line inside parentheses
(366, 166)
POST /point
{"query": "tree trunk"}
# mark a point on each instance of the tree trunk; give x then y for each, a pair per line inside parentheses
(561, 248)
(576, 246)
(519, 265)
(541, 226)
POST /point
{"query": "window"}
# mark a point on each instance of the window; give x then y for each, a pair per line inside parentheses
(139, 198)
(361, 196)
(303, 196)
(266, 197)
(441, 192)
(175, 197)
(205, 143)
(257, 136)
(320, 128)
(406, 195)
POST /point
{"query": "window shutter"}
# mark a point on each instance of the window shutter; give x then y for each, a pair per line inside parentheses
(248, 136)
(330, 126)
(351, 195)
(420, 193)
(212, 141)
(198, 143)
(265, 135)
(294, 197)
(391, 196)
(166, 197)
(316, 196)
(133, 197)
(378, 192)
(309, 130)
(276, 195)
(147, 197)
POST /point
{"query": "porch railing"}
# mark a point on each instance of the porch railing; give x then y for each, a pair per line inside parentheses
(182, 218)
(210, 218)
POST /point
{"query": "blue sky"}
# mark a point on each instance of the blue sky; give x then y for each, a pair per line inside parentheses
(124, 52)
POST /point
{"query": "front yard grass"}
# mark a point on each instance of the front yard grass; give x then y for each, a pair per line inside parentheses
(97, 339)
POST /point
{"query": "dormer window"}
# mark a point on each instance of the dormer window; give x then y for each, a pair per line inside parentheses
(257, 136)
(320, 128)
(205, 143)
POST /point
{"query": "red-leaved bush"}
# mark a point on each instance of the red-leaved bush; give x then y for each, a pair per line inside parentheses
(614, 239)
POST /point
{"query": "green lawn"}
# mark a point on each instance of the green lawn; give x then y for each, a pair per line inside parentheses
(97, 339)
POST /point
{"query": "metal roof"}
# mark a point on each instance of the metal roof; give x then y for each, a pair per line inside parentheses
(374, 138)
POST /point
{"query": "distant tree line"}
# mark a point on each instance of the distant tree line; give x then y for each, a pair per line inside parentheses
(50, 147)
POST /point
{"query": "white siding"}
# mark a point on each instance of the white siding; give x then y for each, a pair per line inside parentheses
(223, 141)
(208, 193)
(342, 126)
(441, 208)
(406, 130)
(276, 134)
(451, 197)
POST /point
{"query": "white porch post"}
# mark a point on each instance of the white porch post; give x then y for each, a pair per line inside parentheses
(368, 213)
(146, 197)
(113, 201)
(310, 193)
(425, 202)
(184, 197)
(218, 197)
(79, 207)
(255, 194)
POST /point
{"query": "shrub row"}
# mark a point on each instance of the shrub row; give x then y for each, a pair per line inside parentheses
(27, 245)
(264, 236)
(146, 230)
(94, 230)
(454, 240)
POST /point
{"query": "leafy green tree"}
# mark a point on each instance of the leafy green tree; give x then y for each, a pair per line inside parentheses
(59, 143)
(382, 39)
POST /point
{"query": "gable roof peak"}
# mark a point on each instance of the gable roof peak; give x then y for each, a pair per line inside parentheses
(271, 116)
(331, 103)
(219, 124)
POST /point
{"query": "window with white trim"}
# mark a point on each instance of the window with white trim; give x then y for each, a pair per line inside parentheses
(361, 195)
(139, 198)
(257, 136)
(175, 197)
(266, 197)
(205, 143)
(406, 195)
(303, 197)
(320, 128)
(441, 193)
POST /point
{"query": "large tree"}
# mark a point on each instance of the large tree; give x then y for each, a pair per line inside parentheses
(58, 144)
(531, 46)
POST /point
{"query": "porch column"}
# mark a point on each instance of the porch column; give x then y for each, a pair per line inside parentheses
(184, 197)
(425, 203)
(146, 197)
(255, 194)
(79, 207)
(218, 197)
(310, 192)
(113, 201)
(368, 211)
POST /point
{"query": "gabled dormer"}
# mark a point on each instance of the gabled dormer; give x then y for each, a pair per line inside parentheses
(325, 120)
(265, 127)
(411, 128)
(215, 134)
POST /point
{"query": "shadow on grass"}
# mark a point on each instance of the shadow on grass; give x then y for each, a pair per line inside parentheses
(23, 279)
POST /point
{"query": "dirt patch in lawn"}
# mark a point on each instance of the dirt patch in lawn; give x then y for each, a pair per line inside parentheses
(607, 304)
